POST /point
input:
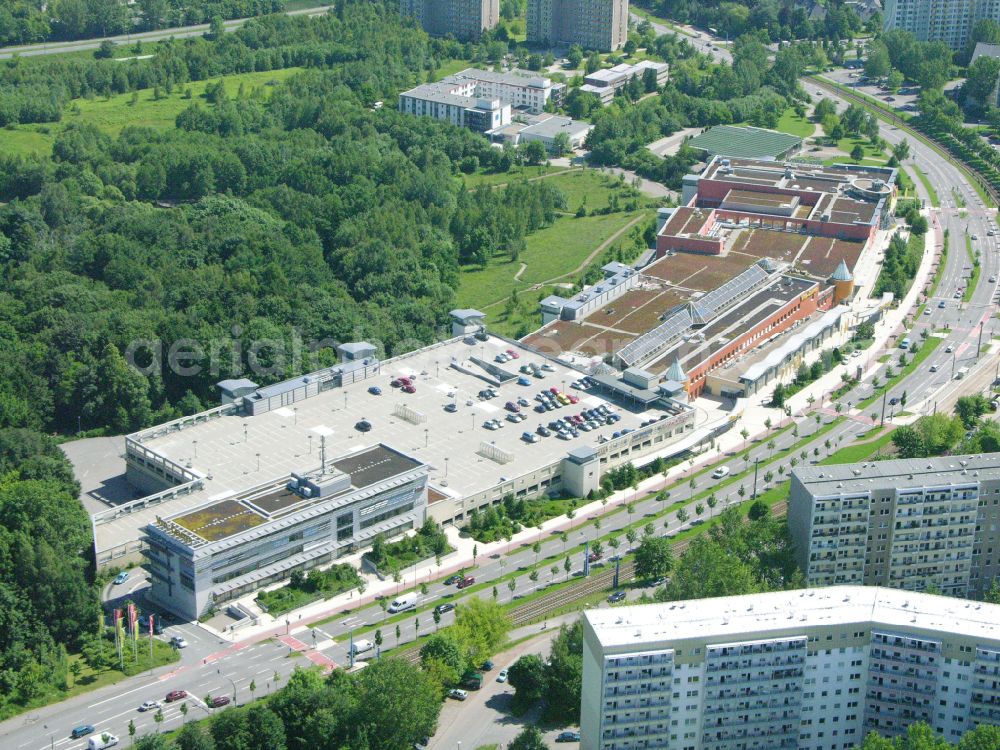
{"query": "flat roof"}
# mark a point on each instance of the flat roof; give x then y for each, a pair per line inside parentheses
(231, 516)
(820, 177)
(787, 613)
(743, 141)
(901, 473)
(552, 126)
(735, 321)
(225, 449)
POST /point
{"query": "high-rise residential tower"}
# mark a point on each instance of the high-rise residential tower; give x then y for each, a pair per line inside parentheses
(593, 24)
(814, 669)
(464, 19)
(949, 21)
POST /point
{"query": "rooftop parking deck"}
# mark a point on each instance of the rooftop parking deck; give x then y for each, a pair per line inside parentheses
(236, 453)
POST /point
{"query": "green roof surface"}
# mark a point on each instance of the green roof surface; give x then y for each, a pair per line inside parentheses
(745, 142)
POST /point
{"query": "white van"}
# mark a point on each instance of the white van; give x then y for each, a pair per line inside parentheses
(101, 741)
(720, 472)
(361, 645)
(404, 602)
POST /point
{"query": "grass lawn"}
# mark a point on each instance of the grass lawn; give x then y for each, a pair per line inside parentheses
(872, 157)
(558, 249)
(552, 251)
(927, 184)
(449, 67)
(503, 178)
(926, 349)
(792, 124)
(90, 679)
(970, 288)
(112, 115)
(859, 451)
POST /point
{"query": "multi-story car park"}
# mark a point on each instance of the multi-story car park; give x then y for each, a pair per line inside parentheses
(481, 416)
(814, 669)
(908, 523)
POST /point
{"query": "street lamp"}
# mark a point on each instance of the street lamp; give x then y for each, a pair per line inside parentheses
(219, 672)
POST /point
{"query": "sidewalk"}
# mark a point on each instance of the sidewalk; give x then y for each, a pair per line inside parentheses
(751, 415)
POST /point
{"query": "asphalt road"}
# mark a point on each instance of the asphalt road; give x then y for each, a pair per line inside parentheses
(210, 666)
(180, 32)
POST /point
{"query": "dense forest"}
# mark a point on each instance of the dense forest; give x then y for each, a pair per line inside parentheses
(308, 216)
(32, 21)
(47, 602)
(779, 20)
(700, 93)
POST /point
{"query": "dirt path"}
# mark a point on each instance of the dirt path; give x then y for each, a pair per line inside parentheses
(586, 262)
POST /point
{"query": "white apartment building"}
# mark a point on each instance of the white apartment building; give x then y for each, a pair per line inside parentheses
(814, 669)
(907, 523)
(949, 21)
(481, 100)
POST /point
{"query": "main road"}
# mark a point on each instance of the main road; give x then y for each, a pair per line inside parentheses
(213, 666)
(178, 32)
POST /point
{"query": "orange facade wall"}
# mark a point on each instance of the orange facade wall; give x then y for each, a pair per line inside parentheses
(798, 309)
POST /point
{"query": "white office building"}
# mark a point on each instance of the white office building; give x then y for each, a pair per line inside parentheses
(814, 669)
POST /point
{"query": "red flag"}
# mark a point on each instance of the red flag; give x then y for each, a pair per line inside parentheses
(151, 625)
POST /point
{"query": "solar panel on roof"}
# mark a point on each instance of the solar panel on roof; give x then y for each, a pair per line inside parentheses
(657, 339)
(708, 306)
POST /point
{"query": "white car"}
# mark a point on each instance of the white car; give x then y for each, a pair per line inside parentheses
(178, 642)
(502, 677)
(720, 472)
(149, 706)
(934, 368)
(458, 694)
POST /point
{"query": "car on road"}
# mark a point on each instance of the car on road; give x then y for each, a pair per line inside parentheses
(502, 676)
(941, 305)
(149, 706)
(375, 390)
(458, 694)
(176, 695)
(949, 349)
(934, 368)
(617, 596)
(487, 665)
(178, 642)
(568, 736)
(720, 472)
(446, 607)
(451, 580)
(993, 279)
(893, 401)
(121, 578)
(466, 582)
(218, 701)
(81, 731)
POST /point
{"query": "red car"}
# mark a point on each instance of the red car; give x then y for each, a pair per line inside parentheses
(554, 391)
(219, 700)
(467, 581)
(176, 695)
(409, 389)
(512, 354)
(573, 399)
